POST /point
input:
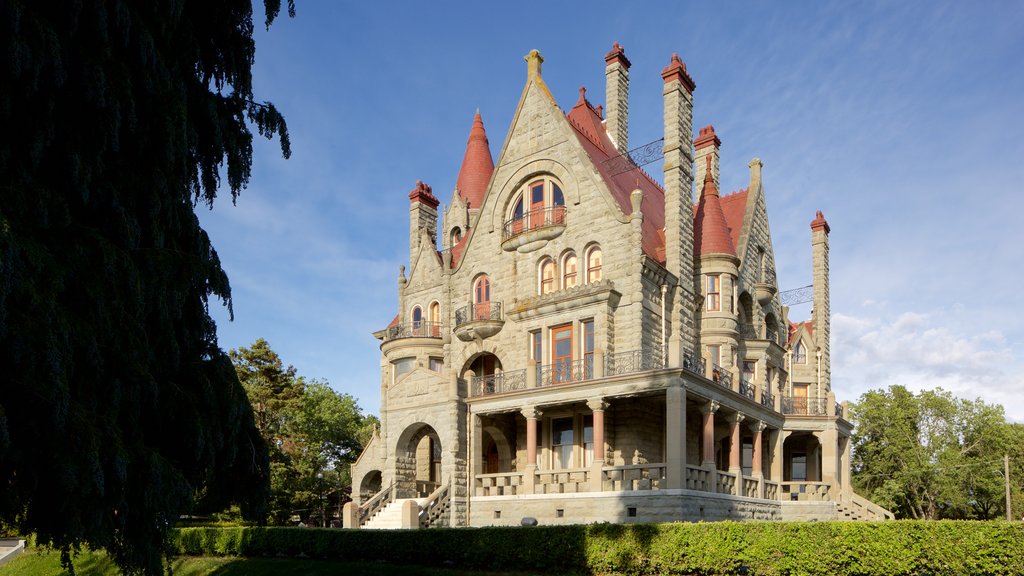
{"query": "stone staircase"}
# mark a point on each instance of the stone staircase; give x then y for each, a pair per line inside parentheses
(853, 506)
(390, 516)
(10, 548)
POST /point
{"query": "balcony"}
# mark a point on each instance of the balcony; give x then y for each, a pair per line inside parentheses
(413, 330)
(746, 388)
(765, 289)
(801, 406)
(721, 376)
(478, 321)
(634, 361)
(533, 230)
(498, 383)
(566, 372)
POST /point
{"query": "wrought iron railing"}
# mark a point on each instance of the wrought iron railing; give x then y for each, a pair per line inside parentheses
(693, 364)
(498, 383)
(634, 361)
(474, 312)
(767, 399)
(721, 376)
(798, 405)
(413, 330)
(746, 388)
(565, 372)
(532, 220)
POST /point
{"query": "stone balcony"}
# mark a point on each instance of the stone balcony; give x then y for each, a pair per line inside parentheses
(478, 321)
(533, 230)
(413, 330)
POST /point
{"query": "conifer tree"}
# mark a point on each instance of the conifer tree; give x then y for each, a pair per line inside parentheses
(117, 407)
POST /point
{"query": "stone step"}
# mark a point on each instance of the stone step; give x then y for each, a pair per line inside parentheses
(390, 517)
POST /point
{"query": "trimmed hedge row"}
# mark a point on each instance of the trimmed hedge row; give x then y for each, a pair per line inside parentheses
(753, 548)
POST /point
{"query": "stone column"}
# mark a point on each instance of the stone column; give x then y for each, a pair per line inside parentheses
(476, 447)
(532, 415)
(531, 373)
(777, 440)
(736, 451)
(829, 440)
(708, 435)
(597, 406)
(757, 465)
(675, 436)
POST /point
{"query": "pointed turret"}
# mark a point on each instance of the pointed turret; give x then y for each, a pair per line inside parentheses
(477, 166)
(710, 229)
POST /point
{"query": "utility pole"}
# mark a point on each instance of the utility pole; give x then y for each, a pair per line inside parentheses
(1006, 474)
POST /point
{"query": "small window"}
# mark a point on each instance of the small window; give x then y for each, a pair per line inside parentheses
(437, 364)
(714, 293)
(547, 276)
(594, 265)
(482, 290)
(401, 367)
(569, 265)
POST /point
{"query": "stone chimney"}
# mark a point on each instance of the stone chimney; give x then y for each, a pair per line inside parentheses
(616, 73)
(707, 145)
(821, 313)
(678, 120)
(422, 218)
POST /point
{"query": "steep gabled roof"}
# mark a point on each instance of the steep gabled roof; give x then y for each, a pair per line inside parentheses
(734, 207)
(590, 131)
(477, 165)
(794, 330)
(711, 232)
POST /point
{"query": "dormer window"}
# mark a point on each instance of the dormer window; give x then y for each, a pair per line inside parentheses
(799, 353)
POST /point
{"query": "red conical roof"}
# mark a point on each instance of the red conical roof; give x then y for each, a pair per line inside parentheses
(477, 166)
(711, 234)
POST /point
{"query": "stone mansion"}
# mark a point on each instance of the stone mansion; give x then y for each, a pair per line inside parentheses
(591, 345)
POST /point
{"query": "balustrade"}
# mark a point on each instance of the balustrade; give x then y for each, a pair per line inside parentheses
(566, 372)
(771, 490)
(693, 364)
(698, 478)
(500, 484)
(498, 383)
(721, 376)
(804, 490)
(478, 312)
(634, 361)
(420, 329)
(746, 388)
(750, 487)
(802, 406)
(633, 477)
(533, 220)
(726, 483)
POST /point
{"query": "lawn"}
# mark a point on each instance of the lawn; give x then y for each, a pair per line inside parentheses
(42, 563)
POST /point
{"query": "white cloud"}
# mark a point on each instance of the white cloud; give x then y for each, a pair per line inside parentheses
(918, 351)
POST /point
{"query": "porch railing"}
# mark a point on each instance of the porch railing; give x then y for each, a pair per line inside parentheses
(378, 502)
(475, 312)
(771, 490)
(750, 487)
(498, 383)
(634, 477)
(746, 388)
(804, 490)
(698, 478)
(413, 330)
(565, 372)
(566, 480)
(500, 484)
(726, 483)
(800, 406)
(634, 361)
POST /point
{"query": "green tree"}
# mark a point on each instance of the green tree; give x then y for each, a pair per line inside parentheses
(313, 432)
(929, 455)
(118, 408)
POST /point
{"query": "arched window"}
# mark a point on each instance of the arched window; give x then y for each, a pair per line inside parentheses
(482, 298)
(456, 236)
(540, 203)
(547, 276)
(569, 265)
(417, 321)
(435, 319)
(594, 264)
(799, 353)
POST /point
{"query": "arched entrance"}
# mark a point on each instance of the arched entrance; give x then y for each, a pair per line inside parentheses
(801, 458)
(370, 485)
(418, 462)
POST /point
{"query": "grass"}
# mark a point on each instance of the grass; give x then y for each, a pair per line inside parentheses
(44, 563)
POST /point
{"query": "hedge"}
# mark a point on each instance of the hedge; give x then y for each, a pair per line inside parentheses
(751, 548)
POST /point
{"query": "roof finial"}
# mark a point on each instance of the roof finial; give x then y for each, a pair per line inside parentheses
(533, 62)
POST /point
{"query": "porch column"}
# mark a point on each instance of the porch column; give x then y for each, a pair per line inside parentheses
(675, 436)
(597, 406)
(736, 451)
(476, 443)
(829, 443)
(532, 415)
(778, 440)
(756, 467)
(844, 466)
(708, 444)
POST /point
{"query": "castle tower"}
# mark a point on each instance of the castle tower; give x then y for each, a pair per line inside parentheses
(422, 219)
(719, 268)
(678, 124)
(821, 314)
(616, 73)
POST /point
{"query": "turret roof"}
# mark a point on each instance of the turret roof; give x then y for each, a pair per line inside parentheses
(711, 232)
(477, 166)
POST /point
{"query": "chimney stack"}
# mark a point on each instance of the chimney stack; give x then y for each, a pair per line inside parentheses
(616, 73)
(422, 217)
(821, 314)
(707, 144)
(678, 121)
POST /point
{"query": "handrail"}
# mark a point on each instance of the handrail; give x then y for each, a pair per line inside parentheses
(746, 388)
(802, 406)
(475, 312)
(694, 364)
(435, 506)
(498, 383)
(721, 376)
(565, 372)
(376, 503)
(634, 361)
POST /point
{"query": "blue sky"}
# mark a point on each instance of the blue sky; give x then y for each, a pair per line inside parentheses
(901, 121)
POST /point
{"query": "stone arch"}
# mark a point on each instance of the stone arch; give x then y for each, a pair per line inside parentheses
(770, 323)
(567, 182)
(371, 484)
(801, 457)
(494, 436)
(746, 313)
(482, 363)
(418, 461)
